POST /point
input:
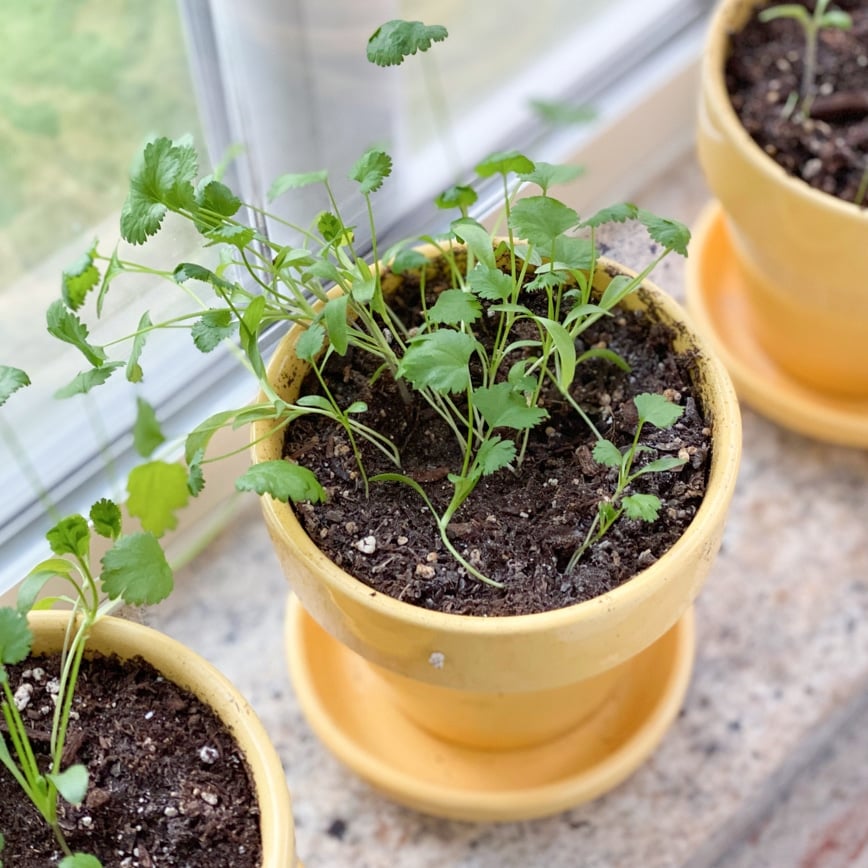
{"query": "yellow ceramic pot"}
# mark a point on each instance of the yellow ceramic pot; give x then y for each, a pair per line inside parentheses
(503, 683)
(180, 665)
(801, 253)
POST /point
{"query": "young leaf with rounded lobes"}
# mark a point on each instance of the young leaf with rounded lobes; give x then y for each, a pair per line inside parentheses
(15, 637)
(71, 783)
(371, 169)
(156, 491)
(11, 380)
(504, 163)
(657, 410)
(105, 516)
(395, 40)
(136, 570)
(439, 360)
(79, 279)
(283, 480)
(70, 536)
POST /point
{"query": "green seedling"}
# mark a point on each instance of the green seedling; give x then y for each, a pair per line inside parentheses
(536, 271)
(812, 24)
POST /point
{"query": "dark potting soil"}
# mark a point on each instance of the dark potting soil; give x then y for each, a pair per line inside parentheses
(168, 785)
(828, 149)
(517, 528)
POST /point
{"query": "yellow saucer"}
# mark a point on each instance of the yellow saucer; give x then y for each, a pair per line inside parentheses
(347, 707)
(716, 301)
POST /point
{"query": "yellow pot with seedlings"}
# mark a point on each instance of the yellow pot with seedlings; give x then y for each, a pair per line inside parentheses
(500, 718)
(789, 258)
(188, 670)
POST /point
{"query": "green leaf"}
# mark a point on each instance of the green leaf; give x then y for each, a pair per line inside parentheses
(214, 326)
(156, 490)
(330, 227)
(35, 581)
(603, 353)
(607, 453)
(70, 536)
(657, 410)
(457, 196)
(540, 220)
(67, 327)
(670, 233)
(194, 271)
(136, 570)
(619, 287)
(335, 316)
(785, 10)
(162, 181)
(133, 370)
(310, 342)
(283, 480)
(454, 306)
(79, 860)
(199, 438)
(407, 260)
(546, 175)
(295, 180)
(562, 113)
(15, 637)
(494, 454)
(439, 360)
(83, 382)
(195, 475)
(372, 168)
(391, 42)
(105, 516)
(147, 434)
(565, 348)
(572, 253)
(836, 18)
(504, 162)
(11, 380)
(79, 279)
(613, 214)
(477, 238)
(71, 783)
(113, 269)
(229, 233)
(491, 283)
(501, 406)
(660, 465)
(215, 197)
(248, 334)
(519, 379)
(641, 506)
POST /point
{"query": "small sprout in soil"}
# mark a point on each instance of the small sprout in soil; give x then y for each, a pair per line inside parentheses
(134, 571)
(811, 25)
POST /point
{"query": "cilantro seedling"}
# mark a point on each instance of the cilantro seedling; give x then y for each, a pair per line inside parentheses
(531, 285)
(134, 570)
(821, 18)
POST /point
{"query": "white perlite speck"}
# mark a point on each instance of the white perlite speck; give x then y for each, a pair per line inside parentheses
(368, 545)
(437, 659)
(22, 696)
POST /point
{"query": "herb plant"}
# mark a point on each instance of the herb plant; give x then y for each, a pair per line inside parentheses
(489, 398)
(812, 24)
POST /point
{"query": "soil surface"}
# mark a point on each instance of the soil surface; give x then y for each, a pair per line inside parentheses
(168, 786)
(829, 148)
(517, 528)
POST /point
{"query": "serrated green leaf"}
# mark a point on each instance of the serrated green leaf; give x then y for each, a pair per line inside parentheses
(67, 327)
(670, 233)
(491, 283)
(11, 380)
(607, 453)
(163, 180)
(439, 360)
(477, 238)
(229, 233)
(494, 454)
(613, 214)
(457, 196)
(70, 536)
(79, 279)
(105, 516)
(657, 410)
(641, 506)
(395, 40)
(504, 162)
(193, 271)
(519, 379)
(156, 491)
(195, 475)
(79, 860)
(547, 175)
(15, 637)
(454, 306)
(136, 570)
(71, 783)
(147, 433)
(83, 382)
(540, 220)
(330, 227)
(502, 407)
(562, 113)
(283, 480)
(310, 342)
(214, 327)
(295, 180)
(371, 169)
(215, 197)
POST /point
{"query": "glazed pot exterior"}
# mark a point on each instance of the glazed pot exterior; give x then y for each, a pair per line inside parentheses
(802, 252)
(188, 670)
(548, 651)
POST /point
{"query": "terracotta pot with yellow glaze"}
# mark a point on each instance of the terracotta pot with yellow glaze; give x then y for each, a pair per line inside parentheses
(801, 253)
(500, 718)
(188, 670)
